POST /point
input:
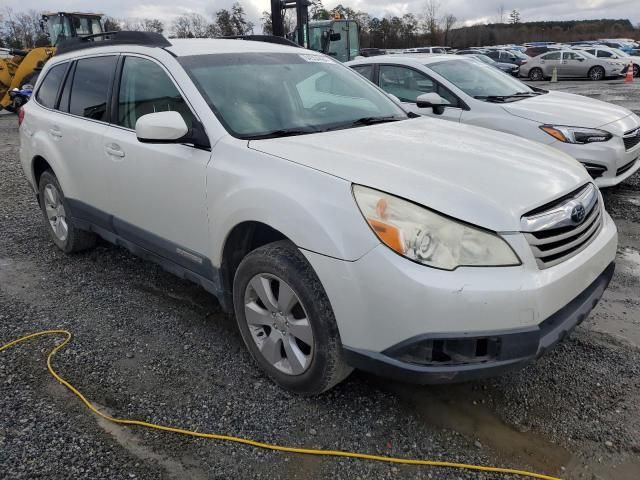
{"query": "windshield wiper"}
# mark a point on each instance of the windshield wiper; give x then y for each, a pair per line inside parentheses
(365, 121)
(284, 132)
(503, 98)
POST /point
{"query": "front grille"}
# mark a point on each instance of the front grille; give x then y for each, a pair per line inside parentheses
(626, 167)
(631, 138)
(556, 233)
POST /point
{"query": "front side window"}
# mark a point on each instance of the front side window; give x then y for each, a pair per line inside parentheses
(91, 86)
(58, 28)
(604, 54)
(146, 88)
(365, 70)
(571, 56)
(260, 95)
(48, 91)
(405, 83)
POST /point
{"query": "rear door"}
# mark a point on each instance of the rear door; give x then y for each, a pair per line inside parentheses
(407, 84)
(160, 188)
(550, 61)
(78, 129)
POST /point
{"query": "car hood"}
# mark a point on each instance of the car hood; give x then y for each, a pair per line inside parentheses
(480, 176)
(559, 108)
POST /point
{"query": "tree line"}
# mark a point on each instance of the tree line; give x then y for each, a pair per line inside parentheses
(431, 26)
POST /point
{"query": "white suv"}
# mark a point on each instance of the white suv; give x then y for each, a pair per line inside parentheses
(340, 231)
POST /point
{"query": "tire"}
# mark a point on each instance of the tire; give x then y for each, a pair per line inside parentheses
(636, 70)
(64, 233)
(295, 342)
(536, 74)
(596, 73)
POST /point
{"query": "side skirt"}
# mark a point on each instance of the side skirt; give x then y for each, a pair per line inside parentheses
(155, 249)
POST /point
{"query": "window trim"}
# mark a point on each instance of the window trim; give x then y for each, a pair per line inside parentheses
(74, 61)
(59, 91)
(115, 94)
(463, 104)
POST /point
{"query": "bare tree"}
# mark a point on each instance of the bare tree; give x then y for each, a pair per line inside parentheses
(431, 21)
(448, 22)
(192, 25)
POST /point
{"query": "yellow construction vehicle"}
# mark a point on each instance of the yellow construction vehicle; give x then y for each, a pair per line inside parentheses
(21, 67)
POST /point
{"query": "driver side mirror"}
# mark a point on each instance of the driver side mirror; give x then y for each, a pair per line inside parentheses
(580, 59)
(432, 100)
(170, 127)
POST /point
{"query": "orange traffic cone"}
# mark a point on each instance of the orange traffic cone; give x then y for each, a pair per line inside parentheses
(629, 76)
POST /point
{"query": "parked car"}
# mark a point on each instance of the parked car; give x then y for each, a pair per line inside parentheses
(571, 64)
(372, 52)
(615, 54)
(534, 51)
(620, 45)
(509, 68)
(340, 231)
(471, 51)
(504, 56)
(439, 50)
(605, 138)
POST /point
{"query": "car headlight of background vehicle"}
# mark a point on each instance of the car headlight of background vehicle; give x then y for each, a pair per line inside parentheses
(428, 237)
(576, 134)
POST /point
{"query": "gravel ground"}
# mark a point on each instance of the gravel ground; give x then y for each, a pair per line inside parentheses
(150, 346)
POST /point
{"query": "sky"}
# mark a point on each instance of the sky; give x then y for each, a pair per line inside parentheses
(467, 12)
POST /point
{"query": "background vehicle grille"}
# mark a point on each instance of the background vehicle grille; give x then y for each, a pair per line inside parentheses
(631, 138)
(553, 244)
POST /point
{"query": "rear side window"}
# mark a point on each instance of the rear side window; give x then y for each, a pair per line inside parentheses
(146, 88)
(91, 85)
(48, 91)
(552, 56)
(365, 70)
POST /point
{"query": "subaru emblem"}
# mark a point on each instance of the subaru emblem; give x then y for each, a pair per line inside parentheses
(578, 213)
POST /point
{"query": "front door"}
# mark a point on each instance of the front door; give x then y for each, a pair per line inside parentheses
(161, 188)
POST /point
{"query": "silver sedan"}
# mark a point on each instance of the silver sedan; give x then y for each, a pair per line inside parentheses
(571, 64)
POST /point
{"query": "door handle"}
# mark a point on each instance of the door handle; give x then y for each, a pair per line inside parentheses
(55, 132)
(114, 150)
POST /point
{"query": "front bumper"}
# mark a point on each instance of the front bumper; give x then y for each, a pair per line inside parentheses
(513, 349)
(609, 163)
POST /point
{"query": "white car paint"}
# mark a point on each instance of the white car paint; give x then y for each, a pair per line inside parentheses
(301, 186)
(524, 117)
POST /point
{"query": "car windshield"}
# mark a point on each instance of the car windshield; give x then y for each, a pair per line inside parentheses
(481, 80)
(620, 53)
(265, 95)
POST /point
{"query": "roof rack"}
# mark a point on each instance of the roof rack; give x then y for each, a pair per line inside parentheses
(148, 39)
(264, 38)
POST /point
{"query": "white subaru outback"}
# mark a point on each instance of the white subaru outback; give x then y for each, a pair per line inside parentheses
(340, 231)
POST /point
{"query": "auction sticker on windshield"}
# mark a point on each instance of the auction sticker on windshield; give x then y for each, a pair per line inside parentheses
(316, 58)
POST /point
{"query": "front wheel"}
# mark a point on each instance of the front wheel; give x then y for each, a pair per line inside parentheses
(286, 320)
(596, 73)
(536, 74)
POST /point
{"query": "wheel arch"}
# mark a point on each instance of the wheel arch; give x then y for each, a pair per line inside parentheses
(242, 239)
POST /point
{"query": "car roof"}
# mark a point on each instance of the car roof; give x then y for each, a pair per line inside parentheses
(190, 46)
(411, 58)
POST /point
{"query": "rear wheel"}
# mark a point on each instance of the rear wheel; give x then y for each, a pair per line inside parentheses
(596, 73)
(60, 225)
(536, 74)
(286, 320)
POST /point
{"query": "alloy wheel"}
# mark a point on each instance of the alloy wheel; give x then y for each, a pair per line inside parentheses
(56, 213)
(596, 73)
(279, 324)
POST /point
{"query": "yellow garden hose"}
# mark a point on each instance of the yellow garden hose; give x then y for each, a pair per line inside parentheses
(254, 443)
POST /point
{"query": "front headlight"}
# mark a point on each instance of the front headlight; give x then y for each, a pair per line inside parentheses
(576, 134)
(428, 237)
